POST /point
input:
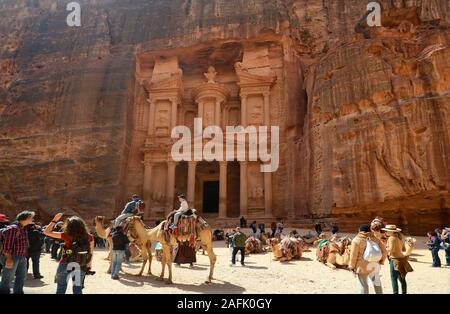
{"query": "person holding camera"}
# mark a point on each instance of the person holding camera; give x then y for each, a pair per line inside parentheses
(76, 259)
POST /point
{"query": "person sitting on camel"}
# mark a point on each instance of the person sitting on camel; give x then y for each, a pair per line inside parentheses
(130, 209)
(184, 208)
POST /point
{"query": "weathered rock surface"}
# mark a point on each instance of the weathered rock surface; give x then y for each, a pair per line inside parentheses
(367, 134)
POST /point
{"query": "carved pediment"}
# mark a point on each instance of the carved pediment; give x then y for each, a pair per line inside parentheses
(248, 79)
(174, 82)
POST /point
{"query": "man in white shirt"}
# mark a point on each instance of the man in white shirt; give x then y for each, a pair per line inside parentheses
(184, 207)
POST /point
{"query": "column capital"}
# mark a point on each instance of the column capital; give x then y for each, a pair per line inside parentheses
(192, 163)
(243, 163)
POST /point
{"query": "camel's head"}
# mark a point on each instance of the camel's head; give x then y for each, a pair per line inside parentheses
(272, 242)
(99, 220)
(411, 241)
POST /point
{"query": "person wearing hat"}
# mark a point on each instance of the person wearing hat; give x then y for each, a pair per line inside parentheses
(398, 263)
(184, 207)
(359, 265)
(129, 210)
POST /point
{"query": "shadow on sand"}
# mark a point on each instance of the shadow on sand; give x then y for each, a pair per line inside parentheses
(216, 287)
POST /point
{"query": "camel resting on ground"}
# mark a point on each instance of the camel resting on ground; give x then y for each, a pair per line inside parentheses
(335, 254)
(254, 246)
(287, 249)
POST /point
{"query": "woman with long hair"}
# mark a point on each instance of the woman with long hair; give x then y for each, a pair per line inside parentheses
(78, 250)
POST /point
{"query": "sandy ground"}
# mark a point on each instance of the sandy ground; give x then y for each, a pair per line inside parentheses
(261, 275)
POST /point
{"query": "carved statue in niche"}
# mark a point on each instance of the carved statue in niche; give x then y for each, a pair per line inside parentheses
(158, 197)
(211, 75)
(257, 193)
(255, 110)
(208, 114)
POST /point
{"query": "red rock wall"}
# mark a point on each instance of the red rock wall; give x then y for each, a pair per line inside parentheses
(366, 119)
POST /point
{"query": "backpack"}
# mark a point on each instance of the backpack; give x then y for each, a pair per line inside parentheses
(80, 253)
(372, 252)
(2, 231)
(1, 239)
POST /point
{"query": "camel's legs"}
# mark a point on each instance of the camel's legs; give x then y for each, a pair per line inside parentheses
(212, 261)
(163, 265)
(167, 251)
(145, 258)
(149, 254)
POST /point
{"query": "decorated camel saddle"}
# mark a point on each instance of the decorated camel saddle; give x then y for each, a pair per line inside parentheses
(254, 246)
(187, 227)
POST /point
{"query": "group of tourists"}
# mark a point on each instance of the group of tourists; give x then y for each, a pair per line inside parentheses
(22, 241)
(438, 240)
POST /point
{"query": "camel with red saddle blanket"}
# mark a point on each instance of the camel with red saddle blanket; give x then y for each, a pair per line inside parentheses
(287, 249)
(189, 228)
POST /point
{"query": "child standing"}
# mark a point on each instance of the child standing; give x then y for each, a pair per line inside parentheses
(120, 242)
(434, 245)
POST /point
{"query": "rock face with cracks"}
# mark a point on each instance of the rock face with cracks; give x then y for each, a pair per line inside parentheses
(364, 112)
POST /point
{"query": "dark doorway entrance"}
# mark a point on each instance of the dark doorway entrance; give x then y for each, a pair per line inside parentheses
(211, 197)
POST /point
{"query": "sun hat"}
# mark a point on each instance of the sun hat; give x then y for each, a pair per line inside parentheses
(391, 228)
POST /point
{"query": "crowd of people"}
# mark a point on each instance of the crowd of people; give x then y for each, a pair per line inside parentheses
(70, 241)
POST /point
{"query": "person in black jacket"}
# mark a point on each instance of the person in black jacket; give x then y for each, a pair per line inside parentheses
(120, 243)
(34, 249)
(3, 224)
(318, 228)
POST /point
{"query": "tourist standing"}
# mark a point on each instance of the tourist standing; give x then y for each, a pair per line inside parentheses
(56, 244)
(398, 263)
(273, 227)
(3, 224)
(334, 229)
(238, 241)
(254, 227)
(243, 222)
(434, 245)
(120, 243)
(15, 252)
(185, 254)
(446, 241)
(78, 248)
(34, 249)
(364, 268)
(318, 228)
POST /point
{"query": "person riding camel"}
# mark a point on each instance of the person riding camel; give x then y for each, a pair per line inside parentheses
(131, 209)
(184, 208)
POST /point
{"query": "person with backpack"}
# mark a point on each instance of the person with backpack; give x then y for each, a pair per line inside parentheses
(120, 243)
(367, 253)
(238, 241)
(14, 252)
(77, 250)
(34, 249)
(398, 263)
(3, 224)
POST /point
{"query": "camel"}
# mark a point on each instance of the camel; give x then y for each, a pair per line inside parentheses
(254, 246)
(103, 233)
(410, 243)
(335, 254)
(144, 237)
(287, 249)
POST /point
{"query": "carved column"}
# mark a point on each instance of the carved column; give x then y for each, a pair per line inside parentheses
(151, 120)
(147, 191)
(192, 166)
(267, 108)
(171, 166)
(268, 193)
(174, 114)
(244, 197)
(223, 190)
(244, 110)
(200, 109)
(218, 113)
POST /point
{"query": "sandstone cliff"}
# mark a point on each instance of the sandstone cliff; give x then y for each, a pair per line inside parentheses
(368, 132)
